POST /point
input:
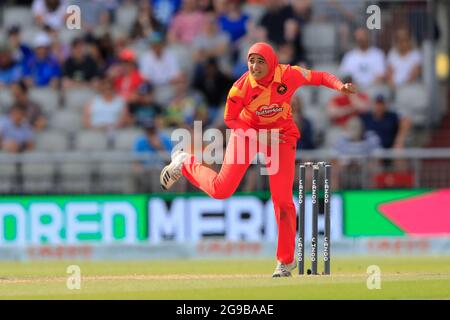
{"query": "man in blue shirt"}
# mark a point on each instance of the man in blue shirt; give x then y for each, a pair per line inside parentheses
(388, 125)
(145, 171)
(152, 142)
(42, 69)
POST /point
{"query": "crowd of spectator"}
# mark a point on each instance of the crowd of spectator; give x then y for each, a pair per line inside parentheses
(177, 60)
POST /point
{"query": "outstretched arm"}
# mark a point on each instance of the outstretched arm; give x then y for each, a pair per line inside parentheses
(322, 78)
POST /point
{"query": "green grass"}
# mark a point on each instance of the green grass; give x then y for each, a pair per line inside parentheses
(401, 278)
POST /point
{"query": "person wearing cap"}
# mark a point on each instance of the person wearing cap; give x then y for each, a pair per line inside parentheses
(127, 77)
(42, 69)
(151, 145)
(10, 70)
(152, 142)
(259, 103)
(142, 107)
(389, 126)
(80, 69)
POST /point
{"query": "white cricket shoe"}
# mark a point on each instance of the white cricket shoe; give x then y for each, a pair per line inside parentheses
(284, 270)
(172, 172)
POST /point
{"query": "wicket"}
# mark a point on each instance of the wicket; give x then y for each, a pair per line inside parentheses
(315, 217)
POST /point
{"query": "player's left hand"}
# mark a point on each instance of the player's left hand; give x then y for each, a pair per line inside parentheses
(348, 88)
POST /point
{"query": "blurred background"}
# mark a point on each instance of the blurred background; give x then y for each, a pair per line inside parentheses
(86, 117)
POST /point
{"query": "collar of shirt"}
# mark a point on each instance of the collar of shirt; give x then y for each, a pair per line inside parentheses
(276, 78)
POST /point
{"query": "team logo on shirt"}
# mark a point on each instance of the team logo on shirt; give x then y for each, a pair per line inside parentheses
(282, 88)
(268, 111)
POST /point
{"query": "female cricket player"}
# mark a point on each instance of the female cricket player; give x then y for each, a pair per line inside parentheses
(260, 99)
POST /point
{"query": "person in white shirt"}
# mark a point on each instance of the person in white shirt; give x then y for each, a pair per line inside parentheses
(160, 67)
(404, 61)
(51, 13)
(107, 110)
(365, 64)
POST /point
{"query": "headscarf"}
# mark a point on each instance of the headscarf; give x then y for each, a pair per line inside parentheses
(267, 52)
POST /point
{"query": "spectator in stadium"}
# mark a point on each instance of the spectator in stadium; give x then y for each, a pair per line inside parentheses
(151, 144)
(354, 142)
(101, 50)
(20, 51)
(212, 43)
(58, 49)
(159, 65)
(143, 108)
(16, 134)
(340, 109)
(145, 23)
(107, 110)
(345, 15)
(274, 20)
(366, 64)
(213, 84)
(50, 13)
(126, 75)
(42, 69)
(10, 70)
(404, 61)
(33, 111)
(391, 128)
(186, 24)
(153, 141)
(80, 69)
(165, 10)
(233, 20)
(304, 124)
(302, 11)
(186, 106)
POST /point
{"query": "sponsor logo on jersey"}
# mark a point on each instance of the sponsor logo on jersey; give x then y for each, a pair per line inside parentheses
(268, 111)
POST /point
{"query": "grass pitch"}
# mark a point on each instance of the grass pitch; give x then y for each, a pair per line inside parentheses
(401, 278)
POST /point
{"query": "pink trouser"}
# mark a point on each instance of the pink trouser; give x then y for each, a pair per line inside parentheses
(223, 184)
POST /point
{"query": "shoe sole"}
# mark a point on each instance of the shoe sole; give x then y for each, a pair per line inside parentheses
(164, 177)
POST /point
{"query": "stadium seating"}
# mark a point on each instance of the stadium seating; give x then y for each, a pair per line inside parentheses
(90, 140)
(17, 15)
(75, 176)
(37, 176)
(113, 176)
(51, 141)
(7, 175)
(412, 100)
(47, 98)
(75, 99)
(6, 99)
(67, 121)
(320, 51)
(124, 139)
